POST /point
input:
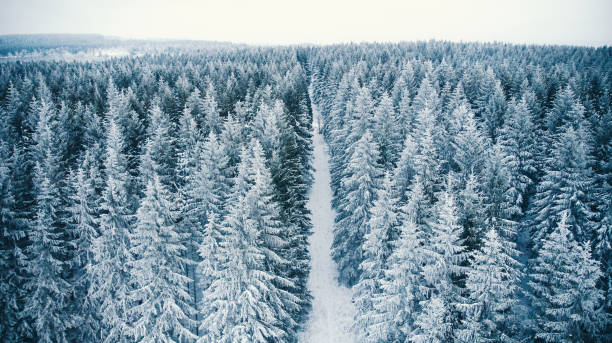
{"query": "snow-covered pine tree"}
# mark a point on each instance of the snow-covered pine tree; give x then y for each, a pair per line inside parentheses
(246, 303)
(160, 147)
(499, 206)
(231, 140)
(207, 269)
(433, 324)
(212, 121)
(398, 302)
(8, 278)
(360, 116)
(446, 252)
(426, 98)
(360, 185)
(22, 189)
(161, 302)
(339, 110)
(517, 139)
(469, 145)
(427, 163)
(492, 288)
(110, 270)
(205, 192)
(472, 212)
(567, 184)
(405, 171)
(275, 235)
(387, 133)
(83, 223)
(561, 111)
(291, 194)
(404, 86)
(494, 110)
(47, 305)
(377, 247)
(564, 289)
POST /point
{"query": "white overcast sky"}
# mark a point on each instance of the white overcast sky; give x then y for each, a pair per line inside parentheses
(578, 22)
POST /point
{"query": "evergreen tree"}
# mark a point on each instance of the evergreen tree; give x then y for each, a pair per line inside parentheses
(564, 292)
(376, 249)
(432, 325)
(405, 170)
(208, 267)
(211, 116)
(427, 163)
(22, 188)
(160, 156)
(517, 139)
(446, 253)
(494, 110)
(567, 185)
(499, 206)
(386, 132)
(245, 304)
(48, 291)
(291, 194)
(361, 184)
(472, 212)
(561, 111)
(398, 303)
(426, 98)
(492, 285)
(83, 222)
(161, 311)
(47, 286)
(9, 277)
(110, 270)
(469, 145)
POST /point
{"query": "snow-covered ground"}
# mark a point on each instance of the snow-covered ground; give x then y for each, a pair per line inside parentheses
(332, 309)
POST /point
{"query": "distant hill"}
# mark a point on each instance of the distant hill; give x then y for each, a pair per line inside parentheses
(29, 45)
(16, 43)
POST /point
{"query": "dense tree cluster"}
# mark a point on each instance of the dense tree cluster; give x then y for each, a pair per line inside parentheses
(472, 189)
(162, 198)
(155, 199)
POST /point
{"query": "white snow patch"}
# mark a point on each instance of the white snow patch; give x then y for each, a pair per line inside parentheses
(332, 310)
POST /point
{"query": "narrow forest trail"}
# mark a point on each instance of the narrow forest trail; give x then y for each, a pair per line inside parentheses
(332, 310)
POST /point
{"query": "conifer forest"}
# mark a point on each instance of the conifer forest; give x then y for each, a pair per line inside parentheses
(200, 192)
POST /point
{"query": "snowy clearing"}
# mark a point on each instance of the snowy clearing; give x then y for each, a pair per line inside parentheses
(332, 310)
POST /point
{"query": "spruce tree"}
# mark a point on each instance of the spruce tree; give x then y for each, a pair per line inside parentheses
(110, 270)
(444, 267)
(433, 324)
(246, 303)
(566, 186)
(362, 181)
(83, 223)
(160, 310)
(469, 145)
(386, 132)
(565, 296)
(48, 288)
(398, 303)
(376, 249)
(47, 305)
(517, 139)
(8, 240)
(492, 286)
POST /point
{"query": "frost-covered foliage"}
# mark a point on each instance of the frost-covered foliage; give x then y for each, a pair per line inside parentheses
(117, 203)
(163, 197)
(493, 144)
